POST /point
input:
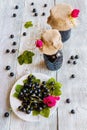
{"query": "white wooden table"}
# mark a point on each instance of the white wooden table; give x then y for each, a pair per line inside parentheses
(75, 89)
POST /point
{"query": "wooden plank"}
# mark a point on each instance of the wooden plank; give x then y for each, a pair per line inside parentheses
(75, 89)
(34, 33)
(38, 63)
(8, 26)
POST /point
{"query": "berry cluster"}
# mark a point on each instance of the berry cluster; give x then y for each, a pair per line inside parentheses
(32, 94)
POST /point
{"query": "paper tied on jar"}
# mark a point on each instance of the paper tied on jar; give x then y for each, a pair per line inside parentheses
(63, 17)
(50, 42)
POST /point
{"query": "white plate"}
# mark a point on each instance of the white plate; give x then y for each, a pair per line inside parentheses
(14, 102)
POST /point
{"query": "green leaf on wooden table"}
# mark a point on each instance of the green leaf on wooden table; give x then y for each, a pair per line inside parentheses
(45, 112)
(28, 24)
(54, 88)
(35, 113)
(18, 88)
(20, 60)
(26, 57)
(16, 94)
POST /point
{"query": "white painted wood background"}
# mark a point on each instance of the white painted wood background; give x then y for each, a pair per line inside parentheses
(75, 89)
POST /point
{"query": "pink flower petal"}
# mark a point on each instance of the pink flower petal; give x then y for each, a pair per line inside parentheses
(39, 43)
(75, 13)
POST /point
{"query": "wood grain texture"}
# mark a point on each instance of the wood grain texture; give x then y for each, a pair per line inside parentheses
(38, 63)
(75, 89)
(8, 26)
(16, 26)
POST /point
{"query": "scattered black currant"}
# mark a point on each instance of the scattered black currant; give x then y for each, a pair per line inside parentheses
(72, 111)
(14, 15)
(34, 10)
(32, 3)
(8, 67)
(11, 74)
(36, 14)
(45, 5)
(14, 43)
(7, 51)
(74, 62)
(68, 61)
(6, 114)
(76, 57)
(68, 100)
(16, 7)
(73, 76)
(72, 57)
(43, 14)
(24, 33)
(13, 50)
(11, 36)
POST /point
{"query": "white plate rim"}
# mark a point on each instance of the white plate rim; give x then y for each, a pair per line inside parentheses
(21, 114)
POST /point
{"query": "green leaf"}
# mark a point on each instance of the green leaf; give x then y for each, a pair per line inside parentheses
(30, 75)
(15, 94)
(20, 60)
(36, 81)
(26, 57)
(28, 60)
(57, 92)
(54, 89)
(25, 81)
(45, 112)
(57, 87)
(35, 113)
(50, 81)
(58, 84)
(28, 24)
(18, 88)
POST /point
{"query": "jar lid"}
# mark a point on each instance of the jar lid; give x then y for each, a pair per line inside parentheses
(51, 42)
(60, 17)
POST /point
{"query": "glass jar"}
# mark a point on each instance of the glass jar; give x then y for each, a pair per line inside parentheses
(54, 62)
(65, 35)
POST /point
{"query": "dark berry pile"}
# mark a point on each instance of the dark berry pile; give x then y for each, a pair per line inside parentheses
(32, 94)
